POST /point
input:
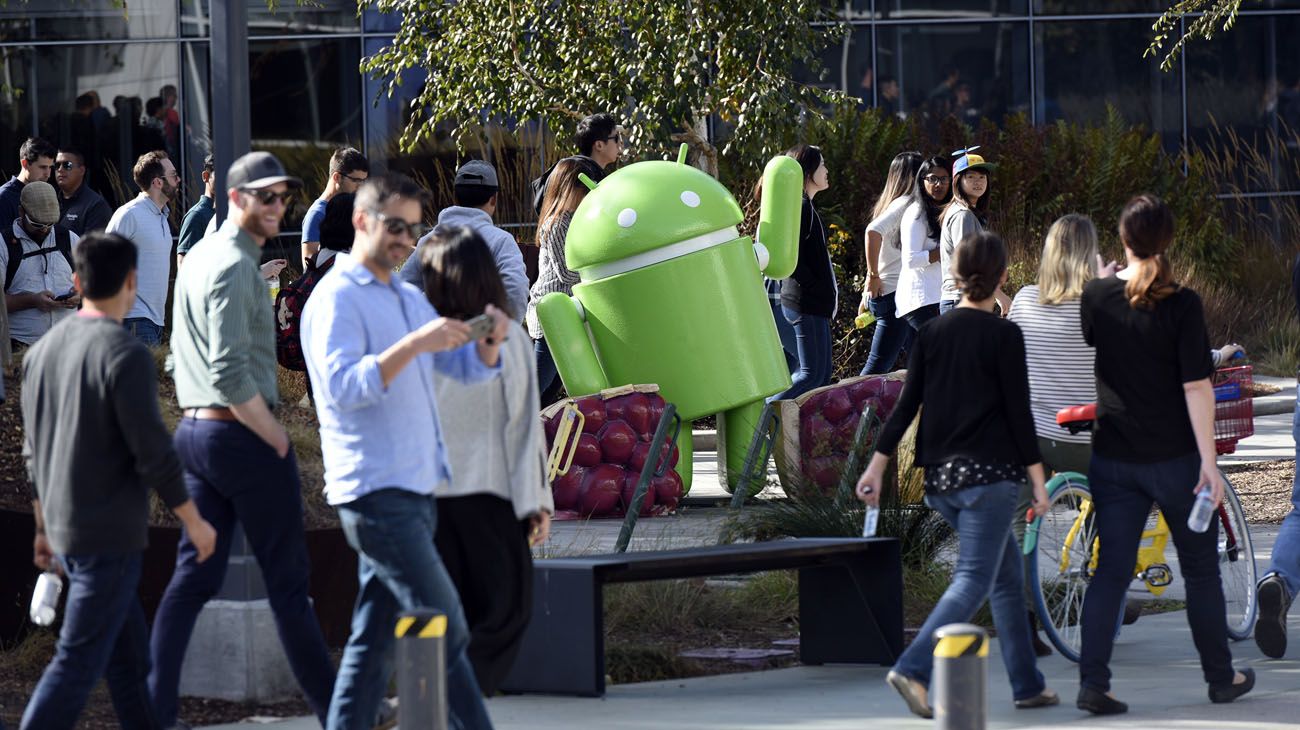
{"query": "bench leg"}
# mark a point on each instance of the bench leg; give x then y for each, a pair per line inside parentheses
(852, 612)
(563, 649)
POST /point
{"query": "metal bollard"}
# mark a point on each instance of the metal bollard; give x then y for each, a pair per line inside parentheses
(961, 657)
(422, 670)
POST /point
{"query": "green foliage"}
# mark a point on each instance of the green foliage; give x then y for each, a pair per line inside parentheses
(664, 68)
(1213, 15)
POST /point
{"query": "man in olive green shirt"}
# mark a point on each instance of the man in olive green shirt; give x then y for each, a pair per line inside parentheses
(239, 464)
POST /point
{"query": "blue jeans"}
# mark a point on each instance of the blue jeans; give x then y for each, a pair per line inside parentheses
(785, 332)
(104, 635)
(1122, 494)
(398, 569)
(1286, 551)
(947, 305)
(144, 330)
(234, 476)
(813, 338)
(988, 568)
(891, 336)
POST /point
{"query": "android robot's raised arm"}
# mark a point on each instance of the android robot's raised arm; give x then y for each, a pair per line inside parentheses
(672, 294)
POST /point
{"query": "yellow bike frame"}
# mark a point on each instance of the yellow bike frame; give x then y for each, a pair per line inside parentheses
(1151, 550)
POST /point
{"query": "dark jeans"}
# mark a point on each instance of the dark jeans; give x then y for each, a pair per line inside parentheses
(892, 335)
(399, 570)
(144, 330)
(785, 332)
(548, 380)
(813, 335)
(1122, 494)
(234, 476)
(988, 568)
(919, 316)
(104, 635)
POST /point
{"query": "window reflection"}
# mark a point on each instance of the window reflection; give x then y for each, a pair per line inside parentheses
(970, 71)
(288, 18)
(901, 9)
(96, 20)
(1084, 66)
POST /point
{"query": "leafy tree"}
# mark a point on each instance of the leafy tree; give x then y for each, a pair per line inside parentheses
(1217, 14)
(663, 67)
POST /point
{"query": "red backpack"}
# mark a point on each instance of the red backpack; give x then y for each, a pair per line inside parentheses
(288, 316)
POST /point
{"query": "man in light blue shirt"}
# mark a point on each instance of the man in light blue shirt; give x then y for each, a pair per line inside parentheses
(372, 343)
(348, 169)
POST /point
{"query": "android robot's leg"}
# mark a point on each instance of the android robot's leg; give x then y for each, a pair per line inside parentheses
(735, 432)
(685, 456)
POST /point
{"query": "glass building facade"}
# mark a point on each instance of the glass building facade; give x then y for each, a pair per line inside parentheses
(84, 73)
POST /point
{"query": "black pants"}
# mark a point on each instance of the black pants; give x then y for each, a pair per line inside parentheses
(485, 549)
(1122, 494)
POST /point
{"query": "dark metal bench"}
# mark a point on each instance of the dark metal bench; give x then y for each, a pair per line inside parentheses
(850, 604)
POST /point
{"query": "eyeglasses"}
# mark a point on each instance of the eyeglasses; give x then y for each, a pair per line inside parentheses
(936, 179)
(357, 180)
(173, 175)
(66, 165)
(616, 139)
(397, 226)
(38, 226)
(267, 197)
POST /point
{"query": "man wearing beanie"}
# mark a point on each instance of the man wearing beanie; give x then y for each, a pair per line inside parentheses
(37, 261)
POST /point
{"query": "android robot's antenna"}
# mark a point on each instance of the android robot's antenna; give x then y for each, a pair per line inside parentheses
(681, 154)
(591, 184)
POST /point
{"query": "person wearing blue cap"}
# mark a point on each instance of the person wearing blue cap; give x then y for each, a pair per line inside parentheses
(965, 215)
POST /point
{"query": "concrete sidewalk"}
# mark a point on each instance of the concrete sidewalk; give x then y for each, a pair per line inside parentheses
(1155, 667)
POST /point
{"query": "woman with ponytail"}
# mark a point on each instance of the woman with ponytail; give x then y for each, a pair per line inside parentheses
(1153, 443)
(977, 444)
(917, 299)
(885, 263)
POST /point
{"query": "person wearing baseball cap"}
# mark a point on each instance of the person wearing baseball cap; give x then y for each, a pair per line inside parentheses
(965, 215)
(37, 261)
(475, 188)
(239, 464)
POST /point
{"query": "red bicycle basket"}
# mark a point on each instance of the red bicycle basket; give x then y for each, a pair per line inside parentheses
(1234, 410)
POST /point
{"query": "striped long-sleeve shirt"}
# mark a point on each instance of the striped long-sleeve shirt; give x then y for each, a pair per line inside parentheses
(552, 273)
(1060, 362)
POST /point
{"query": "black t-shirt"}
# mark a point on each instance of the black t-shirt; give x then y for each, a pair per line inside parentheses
(1143, 359)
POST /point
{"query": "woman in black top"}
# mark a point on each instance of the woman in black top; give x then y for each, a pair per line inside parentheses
(977, 443)
(1153, 442)
(808, 297)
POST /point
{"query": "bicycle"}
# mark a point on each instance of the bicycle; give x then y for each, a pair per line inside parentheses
(1064, 540)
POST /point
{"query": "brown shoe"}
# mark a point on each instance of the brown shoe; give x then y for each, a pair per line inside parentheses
(913, 693)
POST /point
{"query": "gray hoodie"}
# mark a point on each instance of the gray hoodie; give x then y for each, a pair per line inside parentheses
(510, 260)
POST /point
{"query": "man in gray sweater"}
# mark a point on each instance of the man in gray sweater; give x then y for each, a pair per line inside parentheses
(95, 446)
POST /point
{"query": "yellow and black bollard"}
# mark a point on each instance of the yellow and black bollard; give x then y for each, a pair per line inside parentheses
(422, 670)
(961, 656)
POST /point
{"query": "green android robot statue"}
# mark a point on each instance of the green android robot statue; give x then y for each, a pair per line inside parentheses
(672, 294)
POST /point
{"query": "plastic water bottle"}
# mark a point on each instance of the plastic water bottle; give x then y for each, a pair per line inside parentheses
(273, 284)
(1202, 512)
(45, 599)
(869, 522)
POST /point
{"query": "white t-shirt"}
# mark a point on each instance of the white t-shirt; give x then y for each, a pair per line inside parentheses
(50, 272)
(1060, 362)
(919, 280)
(887, 226)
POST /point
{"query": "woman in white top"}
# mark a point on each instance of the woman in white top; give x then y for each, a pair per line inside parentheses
(885, 261)
(917, 298)
(498, 502)
(966, 215)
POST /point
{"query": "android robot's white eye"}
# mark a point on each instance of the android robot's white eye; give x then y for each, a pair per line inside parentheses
(691, 199)
(626, 217)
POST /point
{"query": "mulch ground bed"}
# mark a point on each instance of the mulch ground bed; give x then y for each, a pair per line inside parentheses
(1264, 489)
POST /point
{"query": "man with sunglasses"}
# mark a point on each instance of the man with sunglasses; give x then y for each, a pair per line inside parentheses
(372, 343)
(239, 464)
(143, 221)
(83, 209)
(600, 139)
(37, 261)
(348, 169)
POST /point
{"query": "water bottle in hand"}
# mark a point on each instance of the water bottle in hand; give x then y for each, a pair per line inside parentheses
(1202, 512)
(869, 522)
(45, 599)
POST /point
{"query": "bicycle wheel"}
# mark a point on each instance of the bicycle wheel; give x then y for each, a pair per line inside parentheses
(1236, 565)
(1060, 569)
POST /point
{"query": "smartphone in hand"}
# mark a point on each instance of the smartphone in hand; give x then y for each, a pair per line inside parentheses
(66, 295)
(480, 326)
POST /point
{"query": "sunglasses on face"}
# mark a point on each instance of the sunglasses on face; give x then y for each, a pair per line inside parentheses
(38, 226)
(267, 197)
(616, 139)
(357, 180)
(397, 227)
(66, 165)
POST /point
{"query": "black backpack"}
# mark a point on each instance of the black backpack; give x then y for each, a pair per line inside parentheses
(288, 315)
(62, 244)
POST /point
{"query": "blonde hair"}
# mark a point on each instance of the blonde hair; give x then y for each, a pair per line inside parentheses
(1069, 259)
